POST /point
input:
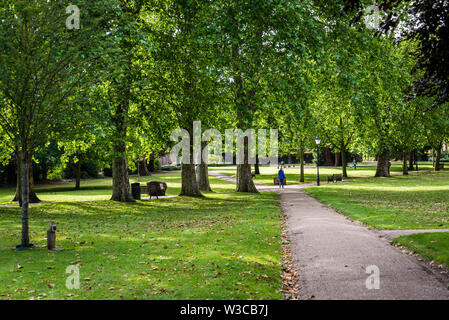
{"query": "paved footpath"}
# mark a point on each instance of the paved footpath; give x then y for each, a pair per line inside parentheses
(332, 254)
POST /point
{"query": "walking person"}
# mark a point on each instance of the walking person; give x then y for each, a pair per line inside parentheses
(281, 178)
(354, 163)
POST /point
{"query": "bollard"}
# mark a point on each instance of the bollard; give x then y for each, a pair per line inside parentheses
(51, 236)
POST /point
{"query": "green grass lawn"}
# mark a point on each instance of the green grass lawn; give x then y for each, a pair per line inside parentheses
(433, 246)
(223, 246)
(417, 201)
(293, 174)
(92, 190)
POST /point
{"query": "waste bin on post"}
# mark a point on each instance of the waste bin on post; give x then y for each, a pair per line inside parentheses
(135, 190)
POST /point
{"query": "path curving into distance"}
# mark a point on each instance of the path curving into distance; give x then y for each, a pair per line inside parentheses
(332, 255)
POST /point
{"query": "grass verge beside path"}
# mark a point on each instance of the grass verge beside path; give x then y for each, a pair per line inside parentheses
(432, 246)
(417, 201)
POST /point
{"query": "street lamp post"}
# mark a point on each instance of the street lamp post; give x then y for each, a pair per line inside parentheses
(317, 141)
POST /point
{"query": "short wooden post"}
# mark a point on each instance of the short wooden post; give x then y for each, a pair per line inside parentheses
(51, 236)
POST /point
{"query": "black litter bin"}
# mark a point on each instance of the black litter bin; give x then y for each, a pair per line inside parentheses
(135, 190)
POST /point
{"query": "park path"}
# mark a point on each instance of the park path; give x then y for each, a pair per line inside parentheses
(332, 254)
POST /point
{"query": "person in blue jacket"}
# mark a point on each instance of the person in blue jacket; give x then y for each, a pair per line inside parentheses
(281, 177)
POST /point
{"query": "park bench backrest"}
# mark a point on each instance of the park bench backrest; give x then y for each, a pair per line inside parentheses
(153, 190)
(156, 188)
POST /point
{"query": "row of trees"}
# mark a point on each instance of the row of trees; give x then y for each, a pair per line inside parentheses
(135, 70)
(376, 92)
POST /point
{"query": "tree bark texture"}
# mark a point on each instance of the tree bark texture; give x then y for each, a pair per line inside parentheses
(301, 157)
(245, 181)
(257, 166)
(344, 163)
(383, 164)
(78, 175)
(143, 169)
(438, 157)
(404, 164)
(189, 185)
(25, 185)
(32, 197)
(203, 177)
(411, 161)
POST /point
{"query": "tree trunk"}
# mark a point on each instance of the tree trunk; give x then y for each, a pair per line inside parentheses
(245, 181)
(25, 184)
(151, 163)
(411, 161)
(438, 158)
(416, 160)
(337, 159)
(328, 156)
(120, 180)
(257, 166)
(301, 156)
(189, 185)
(433, 157)
(18, 195)
(44, 171)
(32, 197)
(142, 168)
(343, 160)
(203, 177)
(383, 164)
(78, 175)
(404, 164)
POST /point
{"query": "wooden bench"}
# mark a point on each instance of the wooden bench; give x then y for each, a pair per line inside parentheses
(335, 178)
(155, 189)
(276, 181)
